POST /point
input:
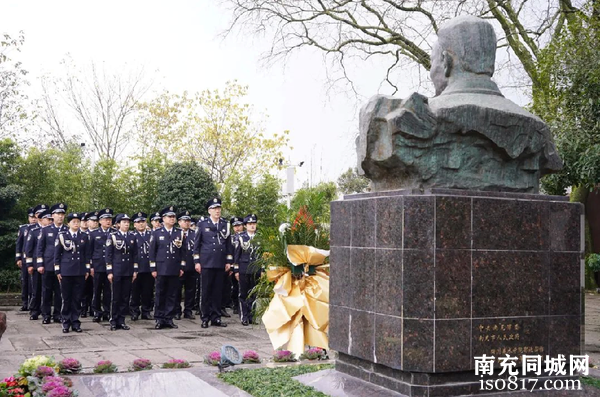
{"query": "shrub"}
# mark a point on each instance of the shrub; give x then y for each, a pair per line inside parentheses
(176, 363)
(105, 367)
(284, 356)
(31, 364)
(10, 280)
(69, 366)
(314, 353)
(250, 357)
(43, 371)
(141, 364)
(213, 358)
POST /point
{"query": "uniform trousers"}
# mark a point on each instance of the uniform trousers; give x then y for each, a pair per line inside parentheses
(247, 282)
(212, 285)
(71, 289)
(198, 291)
(226, 300)
(121, 292)
(101, 295)
(25, 285)
(35, 302)
(188, 282)
(165, 298)
(141, 294)
(50, 295)
(235, 291)
(88, 294)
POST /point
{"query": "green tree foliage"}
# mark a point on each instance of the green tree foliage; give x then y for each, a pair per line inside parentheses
(9, 194)
(217, 128)
(570, 102)
(350, 182)
(243, 197)
(316, 199)
(187, 186)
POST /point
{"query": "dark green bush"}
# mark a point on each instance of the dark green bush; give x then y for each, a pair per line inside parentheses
(10, 280)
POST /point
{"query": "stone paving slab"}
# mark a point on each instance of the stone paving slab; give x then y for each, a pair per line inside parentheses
(25, 338)
(188, 382)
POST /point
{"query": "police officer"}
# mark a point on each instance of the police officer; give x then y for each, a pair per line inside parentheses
(167, 262)
(188, 280)
(156, 221)
(122, 267)
(91, 219)
(72, 267)
(237, 225)
(213, 257)
(143, 285)
(19, 258)
(42, 212)
(245, 254)
(45, 263)
(97, 246)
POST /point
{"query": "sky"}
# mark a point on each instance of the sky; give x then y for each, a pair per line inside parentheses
(179, 43)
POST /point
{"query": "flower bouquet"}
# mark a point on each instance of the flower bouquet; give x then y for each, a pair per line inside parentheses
(296, 262)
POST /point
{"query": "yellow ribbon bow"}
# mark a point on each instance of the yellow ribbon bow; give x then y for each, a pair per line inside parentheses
(298, 314)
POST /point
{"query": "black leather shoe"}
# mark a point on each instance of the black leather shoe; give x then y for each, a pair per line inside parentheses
(189, 316)
(178, 316)
(113, 327)
(204, 324)
(46, 321)
(224, 313)
(34, 317)
(78, 330)
(65, 330)
(172, 325)
(134, 318)
(24, 308)
(218, 323)
(159, 326)
(96, 319)
(245, 323)
(147, 317)
(125, 327)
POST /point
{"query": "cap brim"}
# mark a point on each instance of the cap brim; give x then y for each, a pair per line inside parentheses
(168, 214)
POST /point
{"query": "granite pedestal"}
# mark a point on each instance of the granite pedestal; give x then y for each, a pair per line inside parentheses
(424, 281)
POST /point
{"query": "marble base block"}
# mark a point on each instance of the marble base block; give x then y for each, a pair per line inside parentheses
(424, 281)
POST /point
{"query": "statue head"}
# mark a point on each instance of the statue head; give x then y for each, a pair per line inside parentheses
(466, 45)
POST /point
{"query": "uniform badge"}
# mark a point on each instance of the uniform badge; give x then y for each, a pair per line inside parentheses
(160, 238)
(50, 234)
(98, 237)
(207, 229)
(61, 206)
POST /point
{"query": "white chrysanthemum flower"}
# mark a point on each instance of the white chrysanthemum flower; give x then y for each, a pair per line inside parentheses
(283, 227)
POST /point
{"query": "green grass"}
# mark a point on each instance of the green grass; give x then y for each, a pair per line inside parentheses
(270, 382)
(586, 380)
